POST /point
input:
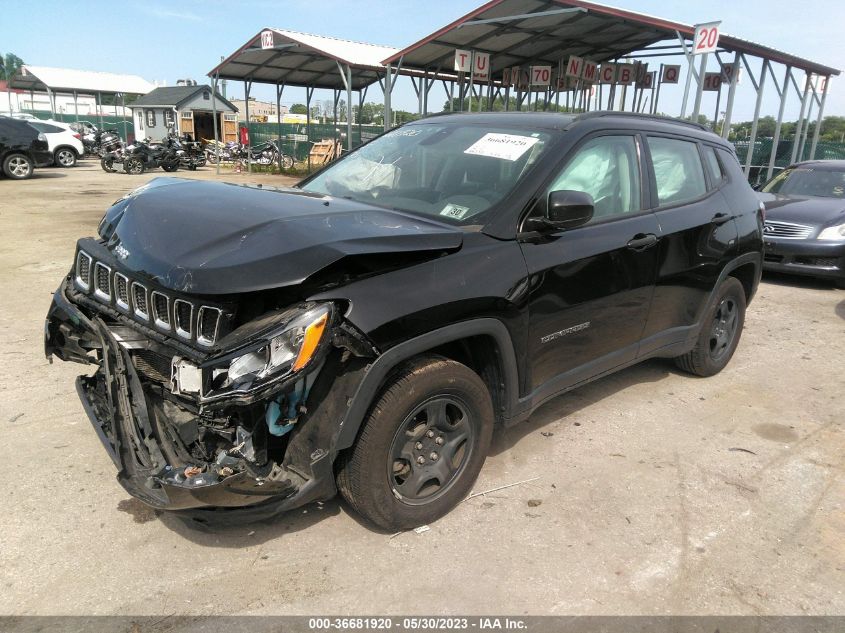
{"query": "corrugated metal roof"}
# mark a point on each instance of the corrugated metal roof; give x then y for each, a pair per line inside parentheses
(175, 95)
(596, 31)
(303, 59)
(65, 79)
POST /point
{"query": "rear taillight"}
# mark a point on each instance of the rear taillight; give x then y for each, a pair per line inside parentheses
(77, 136)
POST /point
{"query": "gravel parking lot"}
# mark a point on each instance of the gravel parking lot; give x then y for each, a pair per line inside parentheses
(655, 493)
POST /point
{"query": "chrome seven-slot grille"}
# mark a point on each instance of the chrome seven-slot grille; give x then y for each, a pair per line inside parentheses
(787, 230)
(189, 321)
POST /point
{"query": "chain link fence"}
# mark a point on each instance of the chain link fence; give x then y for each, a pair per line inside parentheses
(296, 139)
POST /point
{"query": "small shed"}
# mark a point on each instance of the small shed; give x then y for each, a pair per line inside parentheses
(186, 110)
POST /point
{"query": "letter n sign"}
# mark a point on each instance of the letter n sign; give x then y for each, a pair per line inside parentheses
(574, 67)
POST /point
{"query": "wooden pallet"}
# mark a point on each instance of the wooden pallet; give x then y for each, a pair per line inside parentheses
(324, 151)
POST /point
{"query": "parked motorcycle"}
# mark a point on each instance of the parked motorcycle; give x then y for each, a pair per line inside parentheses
(194, 155)
(144, 155)
(110, 147)
(266, 153)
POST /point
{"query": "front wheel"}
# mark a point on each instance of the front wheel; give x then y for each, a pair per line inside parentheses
(720, 332)
(422, 446)
(287, 161)
(107, 163)
(133, 166)
(17, 166)
(170, 167)
(65, 157)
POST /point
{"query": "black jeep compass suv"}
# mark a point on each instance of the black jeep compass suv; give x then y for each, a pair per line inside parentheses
(256, 349)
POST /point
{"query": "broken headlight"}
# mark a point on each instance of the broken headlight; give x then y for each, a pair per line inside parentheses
(279, 353)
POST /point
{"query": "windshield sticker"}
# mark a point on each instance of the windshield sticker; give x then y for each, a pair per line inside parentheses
(455, 211)
(504, 146)
(408, 132)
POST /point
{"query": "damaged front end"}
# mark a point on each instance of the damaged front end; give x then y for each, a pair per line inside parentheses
(197, 408)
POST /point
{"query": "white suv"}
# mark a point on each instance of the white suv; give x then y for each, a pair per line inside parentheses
(65, 144)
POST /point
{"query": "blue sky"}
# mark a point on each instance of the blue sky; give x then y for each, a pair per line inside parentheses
(170, 40)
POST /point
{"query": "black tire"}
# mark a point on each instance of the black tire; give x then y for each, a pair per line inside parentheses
(287, 161)
(720, 332)
(170, 167)
(18, 166)
(107, 163)
(434, 410)
(65, 157)
(134, 165)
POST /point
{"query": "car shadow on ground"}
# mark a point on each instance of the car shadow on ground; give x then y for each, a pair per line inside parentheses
(798, 281)
(248, 534)
(562, 406)
(42, 174)
(840, 309)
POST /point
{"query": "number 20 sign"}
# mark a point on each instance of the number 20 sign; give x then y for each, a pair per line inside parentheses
(706, 38)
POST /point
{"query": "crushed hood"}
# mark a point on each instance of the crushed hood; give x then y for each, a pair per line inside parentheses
(803, 209)
(219, 238)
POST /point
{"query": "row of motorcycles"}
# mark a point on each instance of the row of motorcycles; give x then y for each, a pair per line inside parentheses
(170, 154)
(266, 153)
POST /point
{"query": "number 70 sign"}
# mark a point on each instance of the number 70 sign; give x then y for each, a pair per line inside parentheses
(706, 38)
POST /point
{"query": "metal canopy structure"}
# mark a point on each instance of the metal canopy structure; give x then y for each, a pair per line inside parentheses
(290, 58)
(516, 35)
(68, 81)
(546, 31)
(305, 60)
(519, 34)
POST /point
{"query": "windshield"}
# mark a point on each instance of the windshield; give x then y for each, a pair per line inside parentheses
(452, 172)
(800, 181)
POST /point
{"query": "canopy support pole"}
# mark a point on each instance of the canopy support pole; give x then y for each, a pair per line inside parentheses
(280, 88)
(784, 92)
(696, 109)
(247, 89)
(346, 75)
(729, 108)
(799, 126)
(309, 92)
(813, 99)
(214, 116)
(690, 72)
(759, 88)
(819, 119)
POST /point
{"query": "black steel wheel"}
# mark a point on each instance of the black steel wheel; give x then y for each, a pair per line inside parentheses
(720, 331)
(421, 447)
(430, 449)
(107, 163)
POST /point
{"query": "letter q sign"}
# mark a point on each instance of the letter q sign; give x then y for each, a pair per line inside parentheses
(706, 38)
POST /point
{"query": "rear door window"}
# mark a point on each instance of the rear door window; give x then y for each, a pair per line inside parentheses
(678, 171)
(714, 167)
(46, 128)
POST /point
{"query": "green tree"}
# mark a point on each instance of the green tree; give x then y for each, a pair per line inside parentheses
(298, 108)
(9, 65)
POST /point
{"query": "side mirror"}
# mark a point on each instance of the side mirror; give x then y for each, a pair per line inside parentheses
(568, 209)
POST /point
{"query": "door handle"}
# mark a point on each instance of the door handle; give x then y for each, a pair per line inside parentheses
(720, 218)
(642, 241)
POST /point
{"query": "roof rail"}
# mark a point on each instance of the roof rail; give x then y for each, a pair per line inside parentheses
(637, 115)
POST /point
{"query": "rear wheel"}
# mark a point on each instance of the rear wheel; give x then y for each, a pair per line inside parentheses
(65, 157)
(17, 166)
(720, 332)
(422, 446)
(170, 166)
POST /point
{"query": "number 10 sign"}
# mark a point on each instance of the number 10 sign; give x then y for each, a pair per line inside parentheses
(706, 38)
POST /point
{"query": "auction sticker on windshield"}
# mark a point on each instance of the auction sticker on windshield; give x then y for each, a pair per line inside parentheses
(454, 211)
(504, 146)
